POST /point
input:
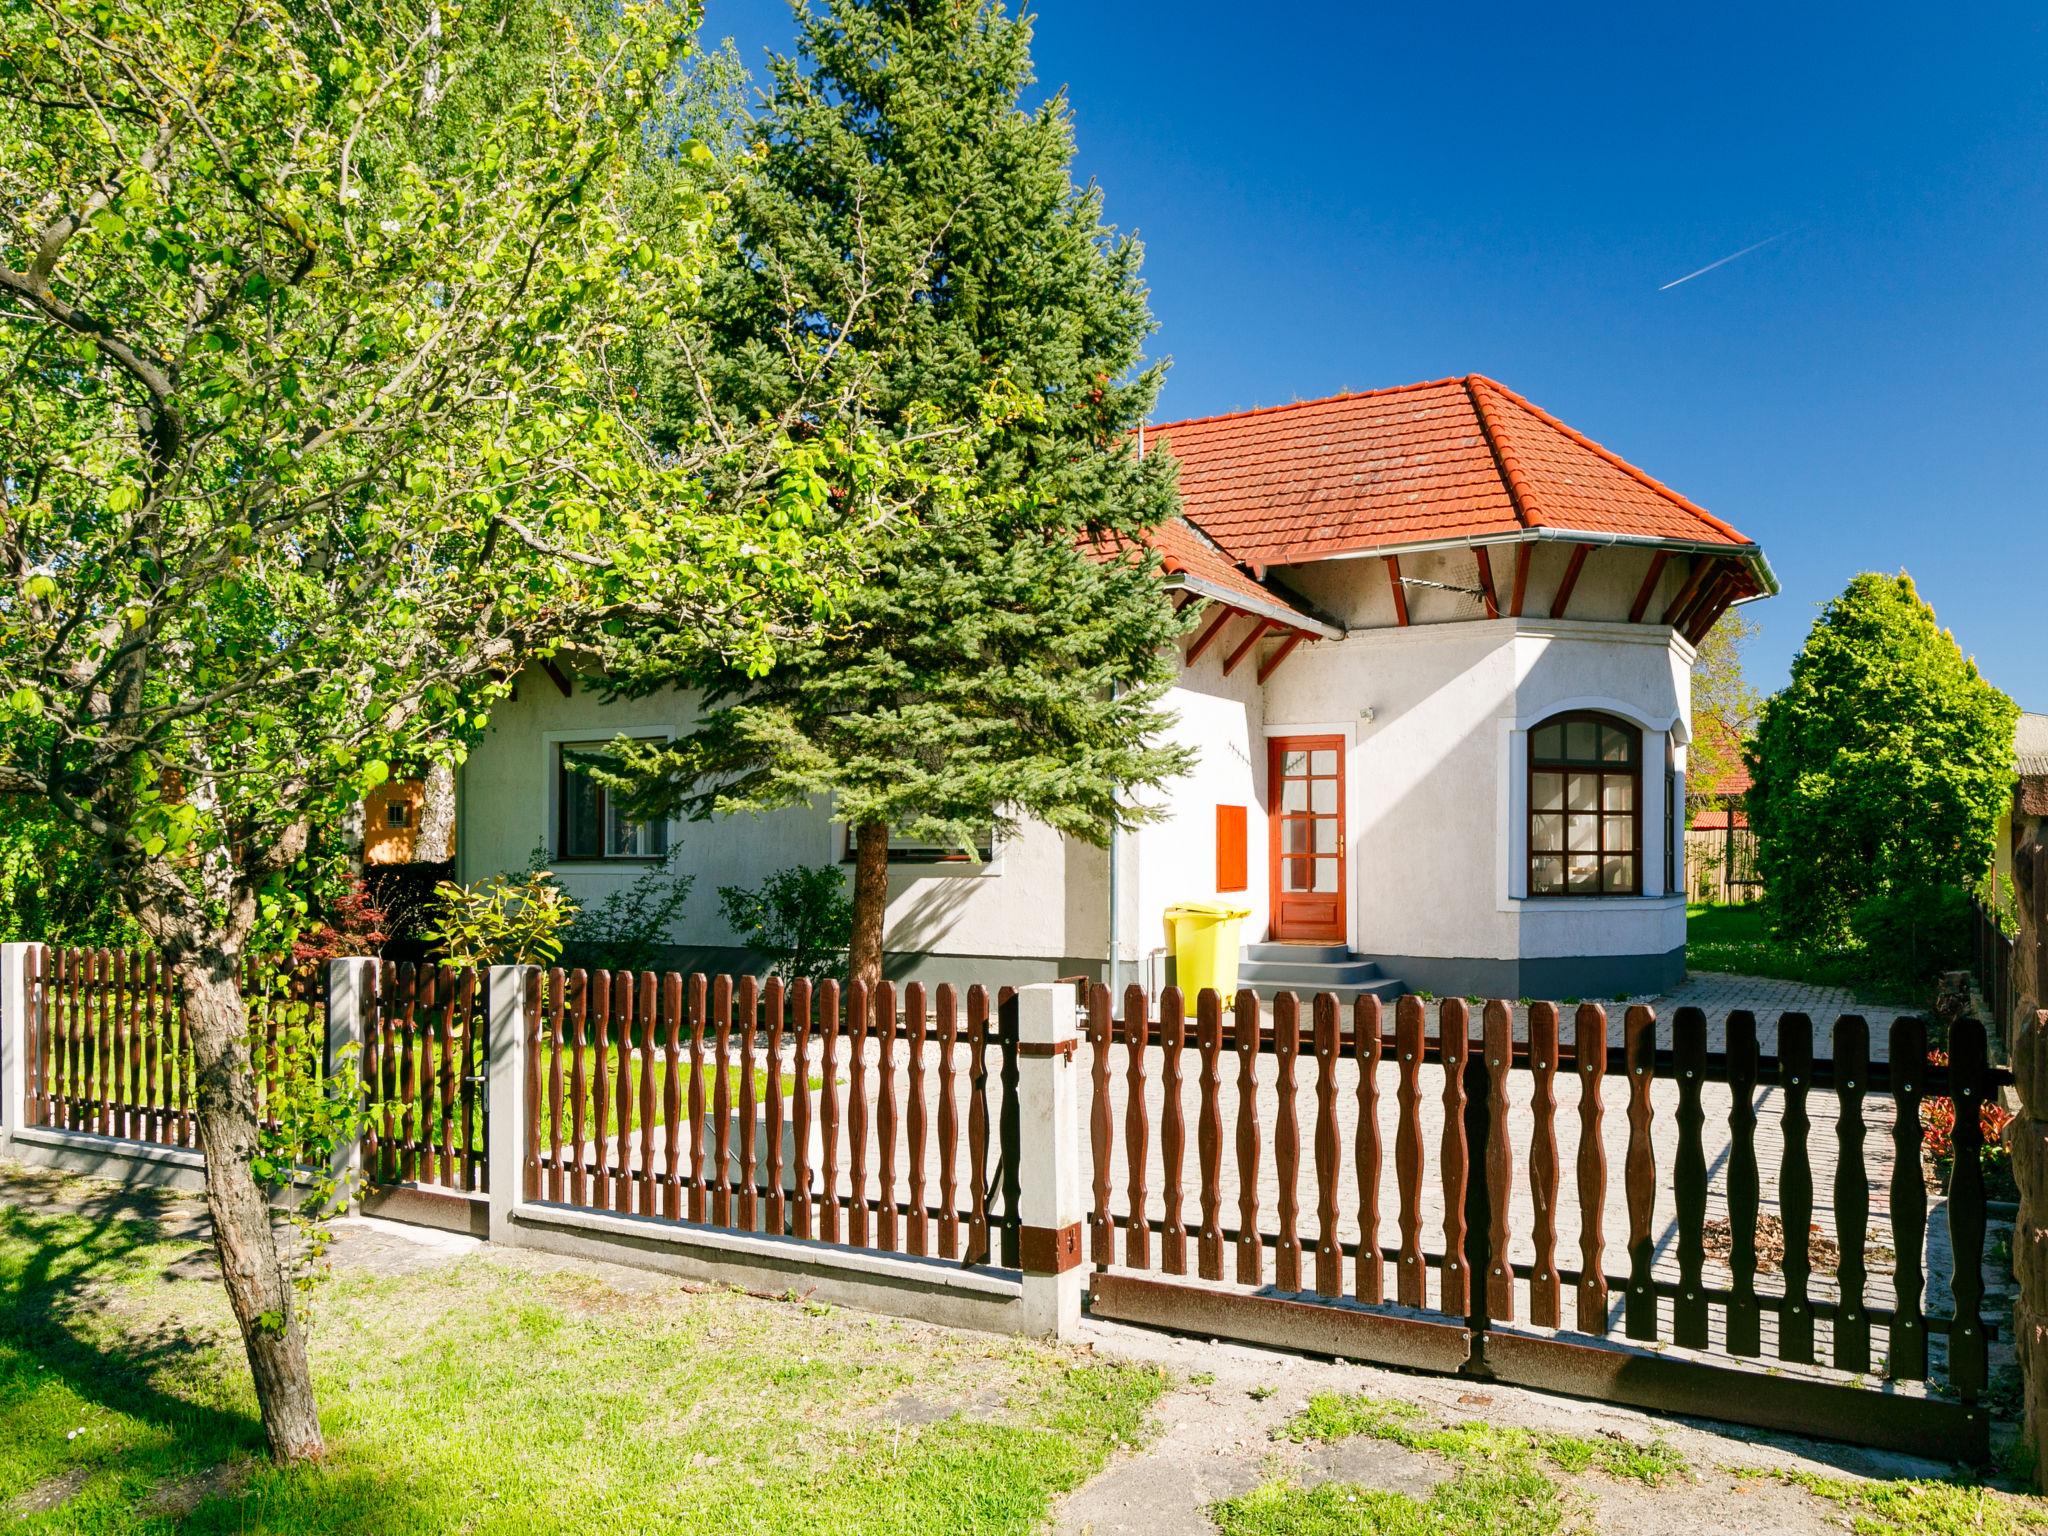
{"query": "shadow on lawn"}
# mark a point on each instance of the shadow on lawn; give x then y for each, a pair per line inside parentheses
(45, 1305)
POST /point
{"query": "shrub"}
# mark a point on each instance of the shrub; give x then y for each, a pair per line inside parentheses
(1880, 773)
(628, 929)
(500, 920)
(801, 918)
(1938, 1117)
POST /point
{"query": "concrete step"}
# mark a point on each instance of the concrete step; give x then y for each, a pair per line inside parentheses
(1355, 972)
(1386, 990)
(1326, 954)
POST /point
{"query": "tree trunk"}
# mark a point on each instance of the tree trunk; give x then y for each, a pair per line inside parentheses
(870, 899)
(258, 1288)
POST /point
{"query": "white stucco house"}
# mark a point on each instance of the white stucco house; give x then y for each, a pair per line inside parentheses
(1440, 689)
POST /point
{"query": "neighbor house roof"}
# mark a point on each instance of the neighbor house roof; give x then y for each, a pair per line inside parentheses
(1462, 460)
(2032, 745)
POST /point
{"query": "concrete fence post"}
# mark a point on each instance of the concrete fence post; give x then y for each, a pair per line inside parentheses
(506, 989)
(15, 1003)
(1049, 1160)
(351, 994)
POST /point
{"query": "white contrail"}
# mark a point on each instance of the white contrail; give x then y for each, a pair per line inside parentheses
(1703, 271)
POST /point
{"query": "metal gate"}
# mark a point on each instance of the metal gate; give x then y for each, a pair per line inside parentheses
(1774, 1204)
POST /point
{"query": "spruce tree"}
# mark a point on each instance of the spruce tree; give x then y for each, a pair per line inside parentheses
(911, 247)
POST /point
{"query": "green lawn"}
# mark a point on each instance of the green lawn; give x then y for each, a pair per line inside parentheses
(1501, 1481)
(483, 1397)
(1733, 938)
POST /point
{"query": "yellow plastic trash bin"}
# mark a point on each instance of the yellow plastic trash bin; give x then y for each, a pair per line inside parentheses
(1201, 936)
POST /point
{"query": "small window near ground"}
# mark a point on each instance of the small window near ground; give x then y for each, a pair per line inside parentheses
(916, 850)
(397, 815)
(1585, 807)
(1233, 871)
(587, 824)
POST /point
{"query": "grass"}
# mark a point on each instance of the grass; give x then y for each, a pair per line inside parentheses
(480, 1397)
(1500, 1485)
(1923, 1508)
(1735, 939)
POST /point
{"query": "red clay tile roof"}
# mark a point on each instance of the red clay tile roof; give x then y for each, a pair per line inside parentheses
(1450, 460)
(1717, 821)
(1184, 551)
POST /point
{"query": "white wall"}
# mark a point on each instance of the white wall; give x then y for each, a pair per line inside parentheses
(1039, 897)
(1174, 859)
(1436, 809)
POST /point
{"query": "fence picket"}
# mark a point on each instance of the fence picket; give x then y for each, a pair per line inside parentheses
(915, 1030)
(647, 997)
(748, 1023)
(885, 1106)
(1689, 1179)
(1209, 1134)
(1454, 1025)
(1368, 1279)
(1795, 1188)
(579, 1086)
(1546, 1294)
(1173, 1036)
(828, 1179)
(1329, 1252)
(623, 1014)
(1137, 1030)
(1101, 1227)
(977, 1125)
(949, 1123)
(1251, 1253)
(1968, 1358)
(801, 1003)
(700, 1021)
(1906, 1342)
(1287, 1143)
(672, 1095)
(775, 1002)
(721, 1101)
(1745, 1316)
(1639, 1174)
(1589, 1052)
(1410, 1283)
(1498, 1036)
(859, 1020)
(1852, 1194)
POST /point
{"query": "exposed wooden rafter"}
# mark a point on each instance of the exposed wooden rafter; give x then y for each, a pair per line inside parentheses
(1649, 587)
(1209, 633)
(558, 677)
(1486, 581)
(1563, 600)
(1522, 554)
(1717, 577)
(1400, 592)
(1243, 648)
(1272, 663)
(1694, 580)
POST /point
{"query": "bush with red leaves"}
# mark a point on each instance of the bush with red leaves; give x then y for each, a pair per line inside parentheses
(1938, 1116)
(355, 925)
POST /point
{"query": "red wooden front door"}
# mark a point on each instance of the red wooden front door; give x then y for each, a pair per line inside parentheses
(1305, 786)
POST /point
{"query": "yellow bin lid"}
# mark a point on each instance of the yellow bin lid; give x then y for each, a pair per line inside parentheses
(1216, 911)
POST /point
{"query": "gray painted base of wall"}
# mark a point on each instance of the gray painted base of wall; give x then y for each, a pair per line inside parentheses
(138, 1164)
(961, 970)
(1550, 979)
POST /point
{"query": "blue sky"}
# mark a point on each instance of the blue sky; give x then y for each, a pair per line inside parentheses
(1341, 196)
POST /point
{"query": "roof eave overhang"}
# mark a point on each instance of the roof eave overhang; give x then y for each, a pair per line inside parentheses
(1751, 555)
(1272, 609)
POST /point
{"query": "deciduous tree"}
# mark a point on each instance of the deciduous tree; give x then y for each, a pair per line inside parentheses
(1880, 771)
(317, 326)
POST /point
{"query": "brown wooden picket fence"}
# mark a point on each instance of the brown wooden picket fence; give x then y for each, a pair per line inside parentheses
(423, 1067)
(887, 1124)
(1339, 1161)
(1996, 955)
(109, 1053)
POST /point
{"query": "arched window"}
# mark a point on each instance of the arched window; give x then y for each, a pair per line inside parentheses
(1585, 807)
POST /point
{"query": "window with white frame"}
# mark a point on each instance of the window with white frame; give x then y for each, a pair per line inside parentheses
(1585, 807)
(588, 824)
